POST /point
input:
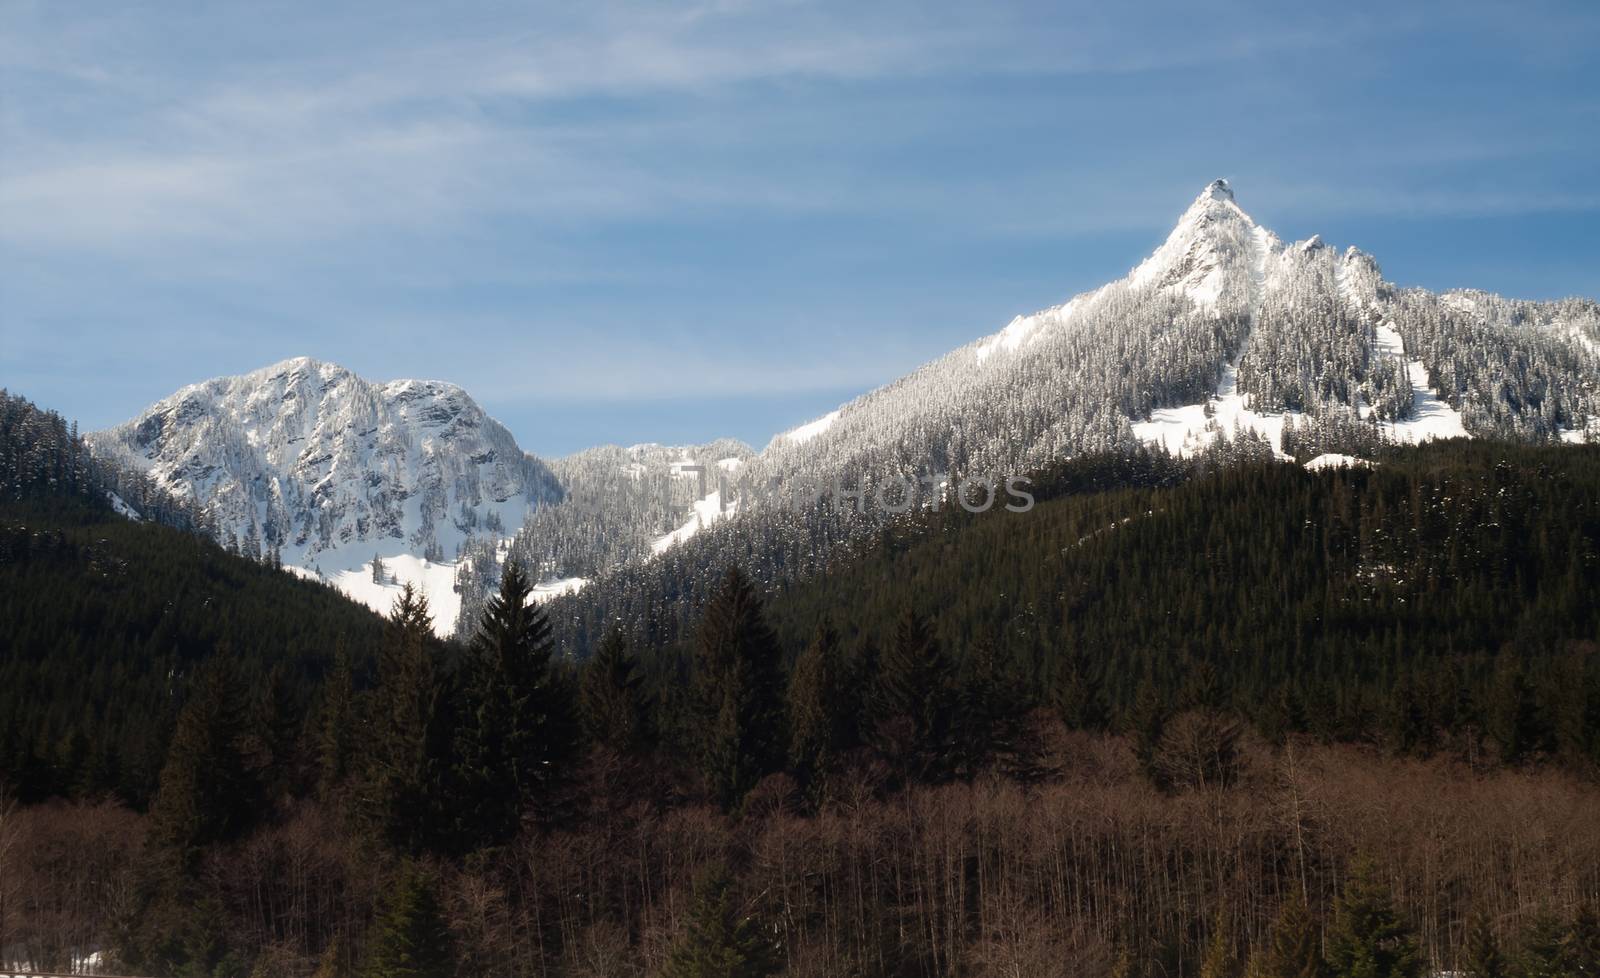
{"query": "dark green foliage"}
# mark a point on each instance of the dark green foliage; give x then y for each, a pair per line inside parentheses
(1540, 953)
(108, 620)
(407, 796)
(1514, 718)
(205, 795)
(822, 710)
(1370, 938)
(1292, 949)
(1344, 603)
(1481, 958)
(1076, 692)
(616, 714)
(336, 729)
(518, 735)
(272, 734)
(738, 693)
(992, 703)
(917, 702)
(410, 939)
(720, 941)
(1146, 723)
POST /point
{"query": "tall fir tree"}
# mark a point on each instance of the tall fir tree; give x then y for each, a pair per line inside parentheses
(205, 793)
(616, 712)
(992, 704)
(917, 702)
(336, 728)
(738, 695)
(1147, 723)
(519, 732)
(821, 710)
(1076, 693)
(410, 757)
(410, 939)
(272, 735)
(719, 941)
(1370, 938)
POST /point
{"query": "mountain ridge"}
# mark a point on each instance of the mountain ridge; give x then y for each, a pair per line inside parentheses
(1225, 337)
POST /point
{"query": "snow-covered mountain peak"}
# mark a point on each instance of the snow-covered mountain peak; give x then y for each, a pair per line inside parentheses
(1215, 250)
(306, 459)
(1218, 190)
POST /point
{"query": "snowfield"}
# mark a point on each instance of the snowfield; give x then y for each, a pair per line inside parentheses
(1334, 461)
(1430, 417)
(435, 581)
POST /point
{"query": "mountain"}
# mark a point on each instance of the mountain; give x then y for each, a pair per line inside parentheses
(1224, 326)
(306, 462)
(1226, 341)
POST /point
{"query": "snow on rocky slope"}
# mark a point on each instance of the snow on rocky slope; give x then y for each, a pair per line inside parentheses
(309, 461)
(1225, 331)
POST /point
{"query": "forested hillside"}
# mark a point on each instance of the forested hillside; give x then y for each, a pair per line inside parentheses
(105, 618)
(1322, 599)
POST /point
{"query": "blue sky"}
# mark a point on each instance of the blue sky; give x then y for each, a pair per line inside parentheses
(664, 221)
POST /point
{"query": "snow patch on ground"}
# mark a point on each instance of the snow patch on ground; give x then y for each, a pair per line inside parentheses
(121, 508)
(1583, 436)
(557, 587)
(1584, 341)
(706, 512)
(1332, 460)
(1024, 328)
(810, 429)
(1186, 430)
(437, 582)
(434, 580)
(1430, 417)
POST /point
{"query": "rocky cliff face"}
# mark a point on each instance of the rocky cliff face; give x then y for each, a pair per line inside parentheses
(309, 460)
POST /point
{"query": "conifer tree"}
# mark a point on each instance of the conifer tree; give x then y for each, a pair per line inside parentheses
(336, 730)
(271, 734)
(411, 940)
(205, 794)
(719, 941)
(1481, 958)
(1076, 693)
(616, 715)
(409, 762)
(917, 701)
(1514, 720)
(519, 736)
(738, 692)
(991, 703)
(1369, 938)
(1292, 951)
(1147, 722)
(821, 709)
